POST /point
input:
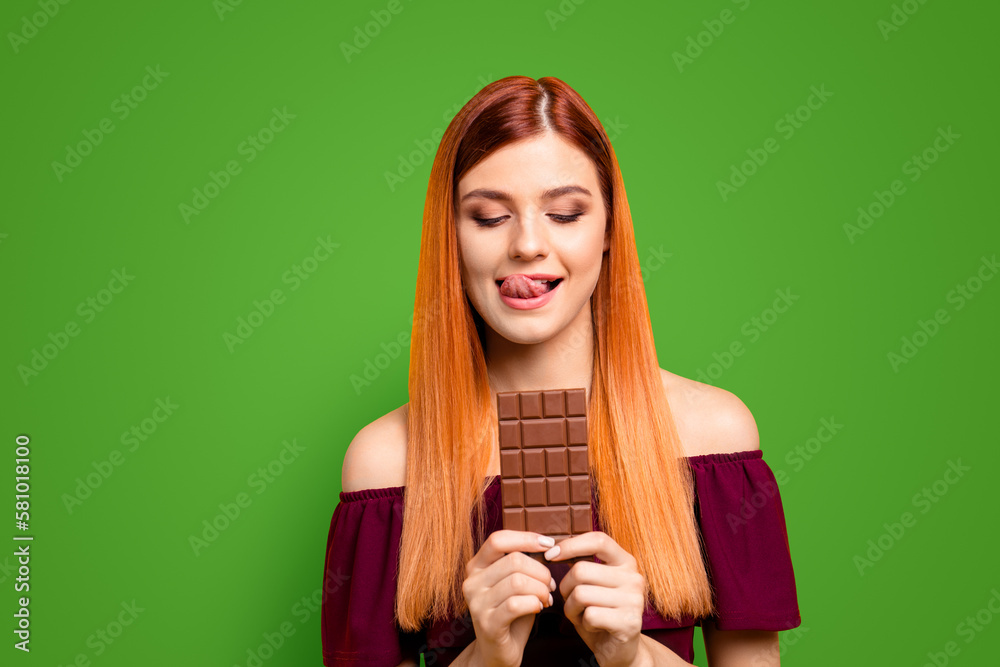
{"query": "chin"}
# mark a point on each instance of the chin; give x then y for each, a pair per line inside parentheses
(525, 335)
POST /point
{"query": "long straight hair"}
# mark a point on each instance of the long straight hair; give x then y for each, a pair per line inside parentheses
(635, 455)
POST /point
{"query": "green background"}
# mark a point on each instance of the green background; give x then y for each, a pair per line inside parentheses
(711, 265)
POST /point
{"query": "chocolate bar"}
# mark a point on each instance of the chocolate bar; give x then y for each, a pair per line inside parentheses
(545, 477)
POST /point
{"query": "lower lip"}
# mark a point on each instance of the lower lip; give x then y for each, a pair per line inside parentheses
(529, 304)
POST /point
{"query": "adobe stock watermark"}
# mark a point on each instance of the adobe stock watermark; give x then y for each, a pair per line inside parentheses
(448, 638)
(302, 610)
(603, 654)
(797, 459)
(898, 17)
(249, 149)
(364, 34)
(396, 347)
(259, 480)
(133, 438)
(761, 496)
(714, 27)
(223, 7)
(923, 500)
(655, 260)
(960, 295)
(915, 167)
(122, 107)
(752, 329)
(30, 25)
(373, 368)
(562, 11)
(295, 276)
(786, 126)
(771, 655)
(968, 629)
(7, 569)
(807, 451)
(103, 637)
(426, 148)
(88, 309)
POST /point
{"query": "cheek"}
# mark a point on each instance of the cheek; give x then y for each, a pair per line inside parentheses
(467, 250)
(587, 255)
(467, 258)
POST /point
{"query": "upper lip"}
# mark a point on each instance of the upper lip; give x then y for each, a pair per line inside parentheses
(532, 276)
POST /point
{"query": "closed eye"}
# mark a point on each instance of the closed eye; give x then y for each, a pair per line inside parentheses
(490, 222)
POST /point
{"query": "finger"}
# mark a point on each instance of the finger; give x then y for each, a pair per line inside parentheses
(621, 626)
(596, 543)
(599, 574)
(515, 563)
(516, 585)
(501, 542)
(585, 595)
(622, 620)
(512, 608)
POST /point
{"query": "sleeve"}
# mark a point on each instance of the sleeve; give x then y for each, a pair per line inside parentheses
(746, 542)
(359, 583)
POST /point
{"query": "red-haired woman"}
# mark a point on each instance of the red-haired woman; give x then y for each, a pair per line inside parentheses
(529, 280)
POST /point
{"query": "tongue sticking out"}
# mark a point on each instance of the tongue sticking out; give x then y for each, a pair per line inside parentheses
(522, 287)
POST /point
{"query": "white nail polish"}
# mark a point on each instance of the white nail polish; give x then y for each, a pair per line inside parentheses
(546, 541)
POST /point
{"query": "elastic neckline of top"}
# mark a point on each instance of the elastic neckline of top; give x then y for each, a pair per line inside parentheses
(699, 460)
(727, 457)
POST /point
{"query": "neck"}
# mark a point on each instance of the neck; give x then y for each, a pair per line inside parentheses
(564, 361)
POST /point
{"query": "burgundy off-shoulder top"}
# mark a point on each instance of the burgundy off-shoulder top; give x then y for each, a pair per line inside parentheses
(742, 524)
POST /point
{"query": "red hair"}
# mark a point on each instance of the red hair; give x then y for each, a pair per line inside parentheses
(636, 458)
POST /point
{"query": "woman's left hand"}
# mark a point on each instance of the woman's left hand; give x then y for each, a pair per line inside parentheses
(604, 601)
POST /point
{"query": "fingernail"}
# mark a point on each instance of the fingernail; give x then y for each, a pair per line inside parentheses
(546, 541)
(550, 599)
(552, 553)
(552, 584)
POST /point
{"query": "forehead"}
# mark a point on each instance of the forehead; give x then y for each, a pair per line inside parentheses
(529, 166)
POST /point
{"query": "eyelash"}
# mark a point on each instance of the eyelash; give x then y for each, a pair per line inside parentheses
(490, 222)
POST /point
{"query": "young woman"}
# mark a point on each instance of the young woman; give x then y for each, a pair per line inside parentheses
(529, 280)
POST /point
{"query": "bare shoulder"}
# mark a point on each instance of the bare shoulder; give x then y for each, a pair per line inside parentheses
(710, 420)
(376, 457)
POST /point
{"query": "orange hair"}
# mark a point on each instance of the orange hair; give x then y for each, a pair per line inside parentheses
(643, 482)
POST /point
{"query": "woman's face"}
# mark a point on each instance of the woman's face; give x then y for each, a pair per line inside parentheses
(532, 209)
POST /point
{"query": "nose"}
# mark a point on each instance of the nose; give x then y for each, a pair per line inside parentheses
(528, 237)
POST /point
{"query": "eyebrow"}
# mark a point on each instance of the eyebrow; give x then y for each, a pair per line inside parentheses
(548, 194)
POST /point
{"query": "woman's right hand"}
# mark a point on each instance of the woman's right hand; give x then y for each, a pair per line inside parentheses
(504, 589)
